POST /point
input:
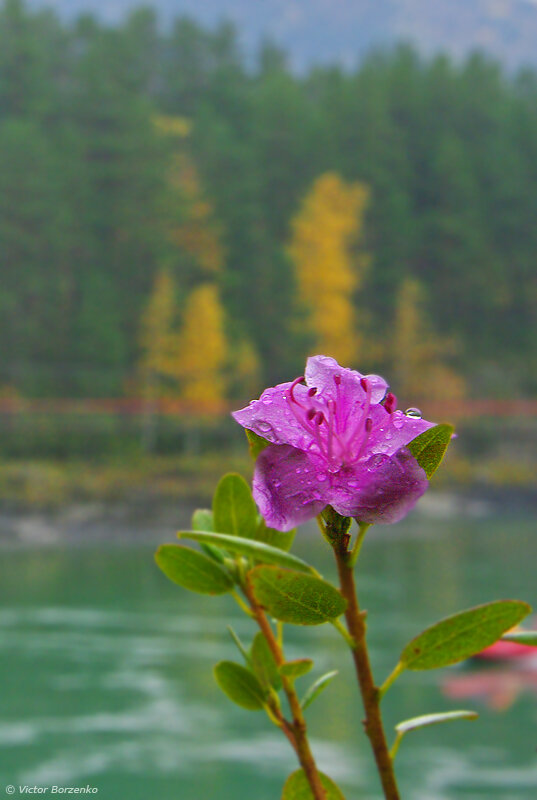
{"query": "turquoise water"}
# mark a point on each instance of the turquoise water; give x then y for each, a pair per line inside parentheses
(107, 681)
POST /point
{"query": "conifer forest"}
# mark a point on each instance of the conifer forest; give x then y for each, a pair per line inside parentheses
(174, 216)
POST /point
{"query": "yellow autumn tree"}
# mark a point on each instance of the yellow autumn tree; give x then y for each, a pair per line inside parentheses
(186, 361)
(325, 233)
(183, 351)
(202, 350)
(418, 354)
(157, 329)
(158, 345)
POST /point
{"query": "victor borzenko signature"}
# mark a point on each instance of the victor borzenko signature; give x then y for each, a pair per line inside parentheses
(27, 789)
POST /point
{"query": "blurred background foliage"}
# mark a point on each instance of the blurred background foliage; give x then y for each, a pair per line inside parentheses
(180, 224)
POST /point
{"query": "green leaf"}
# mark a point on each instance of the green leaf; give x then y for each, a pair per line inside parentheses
(295, 597)
(248, 547)
(281, 539)
(297, 787)
(433, 719)
(297, 668)
(463, 635)
(192, 570)
(430, 447)
(240, 685)
(263, 663)
(240, 647)
(316, 688)
(213, 552)
(234, 509)
(256, 443)
(202, 520)
(521, 637)
(424, 721)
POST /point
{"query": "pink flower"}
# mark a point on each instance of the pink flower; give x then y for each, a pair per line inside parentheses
(336, 439)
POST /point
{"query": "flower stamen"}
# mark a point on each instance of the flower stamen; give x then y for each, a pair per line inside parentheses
(338, 420)
(367, 430)
(292, 390)
(359, 435)
(390, 403)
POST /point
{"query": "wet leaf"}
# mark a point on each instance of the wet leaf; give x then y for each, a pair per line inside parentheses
(256, 443)
(263, 663)
(281, 539)
(239, 645)
(433, 719)
(521, 637)
(248, 547)
(240, 685)
(192, 570)
(297, 787)
(202, 520)
(316, 688)
(429, 448)
(291, 596)
(297, 668)
(462, 635)
(234, 509)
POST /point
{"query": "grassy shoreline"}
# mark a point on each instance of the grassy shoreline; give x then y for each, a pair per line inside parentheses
(48, 484)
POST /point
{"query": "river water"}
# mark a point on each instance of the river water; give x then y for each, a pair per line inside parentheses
(107, 680)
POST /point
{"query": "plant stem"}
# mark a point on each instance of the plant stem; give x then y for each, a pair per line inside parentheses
(352, 557)
(390, 679)
(299, 738)
(370, 693)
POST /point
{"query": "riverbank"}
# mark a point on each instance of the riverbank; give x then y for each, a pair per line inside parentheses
(48, 484)
(148, 499)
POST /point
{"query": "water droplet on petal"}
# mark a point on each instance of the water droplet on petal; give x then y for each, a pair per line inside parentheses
(264, 427)
(276, 483)
(413, 412)
(321, 476)
(397, 419)
(376, 461)
(353, 484)
(298, 470)
(266, 400)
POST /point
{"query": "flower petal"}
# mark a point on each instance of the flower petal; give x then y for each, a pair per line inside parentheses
(271, 416)
(382, 489)
(320, 372)
(390, 432)
(289, 486)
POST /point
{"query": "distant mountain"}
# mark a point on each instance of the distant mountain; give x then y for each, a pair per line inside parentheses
(314, 31)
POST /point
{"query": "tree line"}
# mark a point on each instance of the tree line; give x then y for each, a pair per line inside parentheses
(174, 219)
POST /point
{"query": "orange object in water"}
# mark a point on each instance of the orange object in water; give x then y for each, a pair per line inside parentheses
(507, 651)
